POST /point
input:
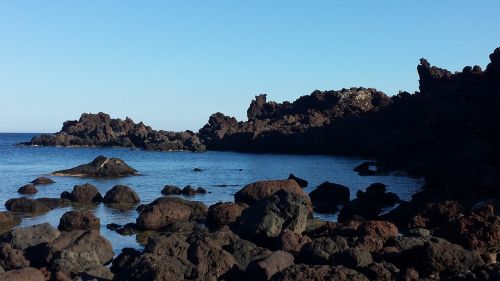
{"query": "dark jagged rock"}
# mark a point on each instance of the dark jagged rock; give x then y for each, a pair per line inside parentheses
(377, 193)
(301, 182)
(188, 191)
(28, 189)
(269, 123)
(100, 167)
(369, 168)
(101, 130)
(327, 196)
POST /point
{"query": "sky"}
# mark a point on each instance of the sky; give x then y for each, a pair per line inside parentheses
(171, 64)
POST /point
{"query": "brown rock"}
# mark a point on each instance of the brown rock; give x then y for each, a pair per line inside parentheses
(42, 180)
(24, 274)
(265, 268)
(27, 189)
(305, 272)
(12, 258)
(378, 229)
(85, 193)
(168, 210)
(224, 214)
(121, 194)
(291, 242)
(79, 220)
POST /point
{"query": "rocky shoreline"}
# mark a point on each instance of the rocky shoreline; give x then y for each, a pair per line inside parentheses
(447, 132)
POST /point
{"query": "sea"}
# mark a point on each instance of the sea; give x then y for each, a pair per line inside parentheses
(222, 175)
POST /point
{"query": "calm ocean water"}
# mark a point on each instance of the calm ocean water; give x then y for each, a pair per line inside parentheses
(21, 164)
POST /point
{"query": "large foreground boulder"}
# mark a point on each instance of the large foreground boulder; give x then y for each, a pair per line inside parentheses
(100, 167)
(25, 237)
(168, 210)
(24, 274)
(273, 215)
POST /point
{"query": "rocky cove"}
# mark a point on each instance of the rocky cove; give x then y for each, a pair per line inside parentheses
(450, 230)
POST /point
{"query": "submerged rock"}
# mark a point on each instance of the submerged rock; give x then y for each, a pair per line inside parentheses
(100, 167)
(42, 180)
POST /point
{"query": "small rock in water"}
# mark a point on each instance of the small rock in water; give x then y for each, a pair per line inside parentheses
(28, 189)
(171, 190)
(201, 190)
(42, 180)
(100, 167)
(197, 170)
(188, 191)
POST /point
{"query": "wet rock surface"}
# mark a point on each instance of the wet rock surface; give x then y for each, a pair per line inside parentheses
(100, 167)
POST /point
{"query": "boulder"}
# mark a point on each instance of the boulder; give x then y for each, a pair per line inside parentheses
(11, 258)
(7, 221)
(76, 241)
(24, 237)
(377, 193)
(359, 208)
(42, 180)
(245, 252)
(382, 230)
(201, 190)
(306, 272)
(26, 205)
(222, 214)
(354, 258)
(265, 268)
(100, 167)
(79, 220)
(440, 257)
(291, 242)
(301, 182)
(121, 194)
(168, 210)
(85, 193)
(23, 274)
(171, 190)
(86, 263)
(27, 189)
(327, 196)
(322, 250)
(188, 191)
(273, 215)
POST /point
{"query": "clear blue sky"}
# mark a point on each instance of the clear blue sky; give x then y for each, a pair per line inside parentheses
(172, 64)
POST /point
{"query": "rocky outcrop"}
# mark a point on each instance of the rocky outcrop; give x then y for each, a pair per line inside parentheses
(327, 196)
(42, 181)
(269, 122)
(100, 167)
(101, 130)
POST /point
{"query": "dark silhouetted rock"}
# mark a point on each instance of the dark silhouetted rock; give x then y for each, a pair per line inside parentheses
(377, 193)
(369, 169)
(188, 191)
(79, 220)
(101, 130)
(327, 196)
(359, 207)
(28, 189)
(121, 194)
(301, 182)
(42, 180)
(197, 170)
(100, 167)
(201, 190)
